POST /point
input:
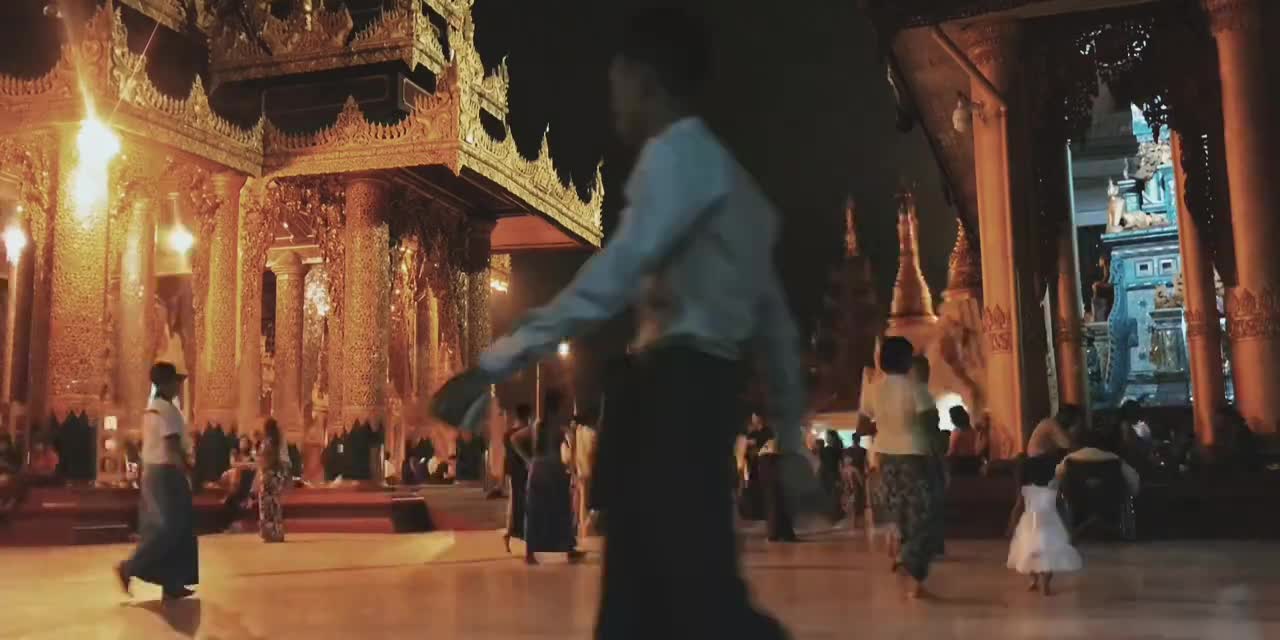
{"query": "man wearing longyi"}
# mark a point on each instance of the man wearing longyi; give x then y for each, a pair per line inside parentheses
(693, 252)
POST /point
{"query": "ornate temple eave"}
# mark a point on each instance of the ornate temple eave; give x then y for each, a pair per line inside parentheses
(170, 13)
(537, 184)
(432, 136)
(103, 72)
(323, 41)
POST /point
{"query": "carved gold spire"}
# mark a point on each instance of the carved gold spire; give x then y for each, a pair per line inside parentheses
(850, 230)
(964, 270)
(912, 301)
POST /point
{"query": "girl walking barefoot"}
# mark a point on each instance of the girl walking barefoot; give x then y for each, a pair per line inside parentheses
(1041, 545)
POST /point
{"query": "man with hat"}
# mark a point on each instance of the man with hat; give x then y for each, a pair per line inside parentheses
(166, 554)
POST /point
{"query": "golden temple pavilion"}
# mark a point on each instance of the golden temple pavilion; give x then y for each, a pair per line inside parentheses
(307, 206)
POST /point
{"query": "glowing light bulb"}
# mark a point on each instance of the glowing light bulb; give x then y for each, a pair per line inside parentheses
(563, 349)
(97, 145)
(15, 240)
(181, 240)
(498, 285)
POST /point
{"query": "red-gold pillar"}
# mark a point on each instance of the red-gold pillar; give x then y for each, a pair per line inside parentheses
(216, 377)
(366, 308)
(1248, 114)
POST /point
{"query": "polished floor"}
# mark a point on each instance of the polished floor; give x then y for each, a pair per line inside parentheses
(439, 586)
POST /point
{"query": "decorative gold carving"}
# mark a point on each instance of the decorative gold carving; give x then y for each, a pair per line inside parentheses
(998, 329)
(216, 376)
(1202, 324)
(1253, 316)
(964, 268)
(1233, 15)
(78, 348)
(367, 291)
(286, 394)
(323, 40)
(170, 13)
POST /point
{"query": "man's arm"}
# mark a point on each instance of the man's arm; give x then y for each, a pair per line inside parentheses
(667, 194)
(778, 344)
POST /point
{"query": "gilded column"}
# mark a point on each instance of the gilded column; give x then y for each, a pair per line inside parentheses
(1068, 318)
(138, 345)
(17, 329)
(1001, 166)
(1248, 115)
(286, 394)
(78, 279)
(254, 232)
(216, 373)
(1200, 306)
(366, 308)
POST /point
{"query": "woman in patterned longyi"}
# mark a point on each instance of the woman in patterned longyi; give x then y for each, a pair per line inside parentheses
(273, 477)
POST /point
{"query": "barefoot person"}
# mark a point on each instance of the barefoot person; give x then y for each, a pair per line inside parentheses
(694, 252)
(167, 554)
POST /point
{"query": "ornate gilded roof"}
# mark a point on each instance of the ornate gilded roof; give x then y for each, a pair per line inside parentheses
(444, 128)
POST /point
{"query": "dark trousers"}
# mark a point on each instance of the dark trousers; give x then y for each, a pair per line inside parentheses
(671, 556)
(775, 507)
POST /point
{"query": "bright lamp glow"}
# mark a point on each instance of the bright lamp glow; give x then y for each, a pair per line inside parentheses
(181, 240)
(499, 285)
(15, 240)
(97, 145)
(563, 349)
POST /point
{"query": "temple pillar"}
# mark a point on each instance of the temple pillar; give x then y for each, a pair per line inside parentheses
(1002, 162)
(137, 317)
(254, 239)
(1200, 309)
(1253, 307)
(366, 307)
(17, 329)
(479, 252)
(1068, 317)
(286, 393)
(216, 370)
(78, 279)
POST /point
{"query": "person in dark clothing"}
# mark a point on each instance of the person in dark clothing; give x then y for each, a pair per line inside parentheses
(516, 463)
(780, 528)
(549, 522)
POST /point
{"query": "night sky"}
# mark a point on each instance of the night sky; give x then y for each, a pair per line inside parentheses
(799, 95)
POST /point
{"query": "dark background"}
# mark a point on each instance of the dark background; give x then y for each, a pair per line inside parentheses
(799, 94)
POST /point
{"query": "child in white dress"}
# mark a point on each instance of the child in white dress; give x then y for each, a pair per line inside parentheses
(1041, 544)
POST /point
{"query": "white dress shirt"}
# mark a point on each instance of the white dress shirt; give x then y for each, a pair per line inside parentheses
(160, 421)
(694, 253)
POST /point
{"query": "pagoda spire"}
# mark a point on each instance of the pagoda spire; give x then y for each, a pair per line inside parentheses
(851, 248)
(964, 269)
(912, 300)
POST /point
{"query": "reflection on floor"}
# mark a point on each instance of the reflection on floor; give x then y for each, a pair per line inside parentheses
(464, 586)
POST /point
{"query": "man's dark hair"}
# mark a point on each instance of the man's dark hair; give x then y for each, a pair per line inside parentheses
(895, 355)
(921, 365)
(959, 417)
(672, 42)
(524, 412)
(1069, 415)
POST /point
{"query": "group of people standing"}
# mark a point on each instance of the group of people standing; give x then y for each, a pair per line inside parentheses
(548, 495)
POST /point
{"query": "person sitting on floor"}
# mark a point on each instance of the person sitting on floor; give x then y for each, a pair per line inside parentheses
(43, 468)
(964, 452)
(1094, 449)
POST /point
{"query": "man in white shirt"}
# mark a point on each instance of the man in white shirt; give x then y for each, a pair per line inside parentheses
(167, 553)
(694, 254)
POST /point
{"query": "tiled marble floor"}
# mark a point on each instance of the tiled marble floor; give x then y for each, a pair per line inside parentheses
(441, 586)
